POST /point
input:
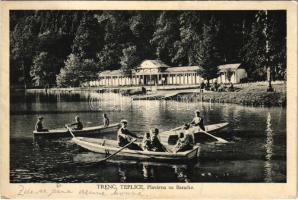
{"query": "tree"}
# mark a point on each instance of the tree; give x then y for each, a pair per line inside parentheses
(265, 46)
(109, 57)
(43, 71)
(190, 32)
(116, 37)
(89, 37)
(130, 59)
(77, 71)
(68, 75)
(23, 46)
(208, 54)
(165, 36)
(142, 27)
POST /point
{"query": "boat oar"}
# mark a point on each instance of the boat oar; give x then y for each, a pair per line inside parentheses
(217, 138)
(70, 131)
(118, 151)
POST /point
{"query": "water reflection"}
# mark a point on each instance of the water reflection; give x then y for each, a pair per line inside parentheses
(59, 109)
(182, 173)
(269, 150)
(148, 172)
(122, 173)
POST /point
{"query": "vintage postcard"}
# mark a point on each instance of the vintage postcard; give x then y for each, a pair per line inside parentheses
(148, 99)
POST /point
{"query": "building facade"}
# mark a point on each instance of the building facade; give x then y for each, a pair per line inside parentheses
(231, 73)
(150, 72)
(155, 72)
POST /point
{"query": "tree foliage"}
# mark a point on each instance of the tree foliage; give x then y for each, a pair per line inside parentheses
(43, 71)
(209, 56)
(89, 38)
(57, 42)
(130, 59)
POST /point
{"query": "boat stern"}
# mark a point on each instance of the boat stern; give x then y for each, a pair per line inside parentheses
(194, 153)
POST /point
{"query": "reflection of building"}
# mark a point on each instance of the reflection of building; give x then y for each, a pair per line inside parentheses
(155, 72)
(231, 73)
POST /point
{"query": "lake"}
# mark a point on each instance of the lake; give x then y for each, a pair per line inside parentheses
(256, 151)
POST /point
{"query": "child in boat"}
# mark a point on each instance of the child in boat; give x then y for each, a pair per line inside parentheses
(155, 142)
(146, 143)
(78, 124)
(106, 121)
(39, 125)
(184, 143)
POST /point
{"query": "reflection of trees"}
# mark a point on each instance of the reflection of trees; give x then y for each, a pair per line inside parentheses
(148, 172)
(269, 150)
(122, 173)
(182, 173)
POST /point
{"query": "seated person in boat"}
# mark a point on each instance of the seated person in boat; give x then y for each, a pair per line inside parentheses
(198, 121)
(184, 143)
(155, 142)
(78, 125)
(124, 136)
(146, 143)
(188, 131)
(39, 125)
(106, 121)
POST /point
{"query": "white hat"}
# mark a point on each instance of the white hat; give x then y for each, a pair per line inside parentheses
(124, 121)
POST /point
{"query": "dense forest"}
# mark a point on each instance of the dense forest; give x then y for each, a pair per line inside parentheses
(66, 48)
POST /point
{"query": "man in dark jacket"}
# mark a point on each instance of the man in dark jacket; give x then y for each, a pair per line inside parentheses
(78, 125)
(39, 125)
(124, 136)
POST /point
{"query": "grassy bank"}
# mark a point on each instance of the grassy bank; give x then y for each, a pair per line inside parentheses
(246, 94)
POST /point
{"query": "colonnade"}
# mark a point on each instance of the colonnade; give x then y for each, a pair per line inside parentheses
(158, 79)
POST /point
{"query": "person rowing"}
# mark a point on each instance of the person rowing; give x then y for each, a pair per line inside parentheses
(78, 125)
(39, 125)
(198, 121)
(124, 137)
(106, 121)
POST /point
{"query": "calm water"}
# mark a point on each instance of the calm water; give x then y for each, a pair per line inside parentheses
(256, 151)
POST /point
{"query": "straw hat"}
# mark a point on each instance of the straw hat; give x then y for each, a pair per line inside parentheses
(123, 121)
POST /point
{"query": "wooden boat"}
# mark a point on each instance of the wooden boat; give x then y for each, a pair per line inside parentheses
(107, 147)
(170, 136)
(63, 132)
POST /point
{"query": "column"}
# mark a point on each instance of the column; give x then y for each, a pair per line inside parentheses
(117, 80)
(172, 76)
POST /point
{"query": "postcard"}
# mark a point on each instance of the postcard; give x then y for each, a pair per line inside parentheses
(148, 99)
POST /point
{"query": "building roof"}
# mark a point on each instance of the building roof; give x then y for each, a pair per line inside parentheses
(225, 67)
(183, 69)
(152, 64)
(117, 72)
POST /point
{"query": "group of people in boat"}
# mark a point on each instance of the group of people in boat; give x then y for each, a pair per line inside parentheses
(151, 141)
(77, 125)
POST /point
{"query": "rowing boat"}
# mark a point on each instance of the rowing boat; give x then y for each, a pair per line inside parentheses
(108, 147)
(63, 132)
(171, 136)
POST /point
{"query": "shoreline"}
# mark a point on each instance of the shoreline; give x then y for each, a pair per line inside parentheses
(246, 99)
(249, 94)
